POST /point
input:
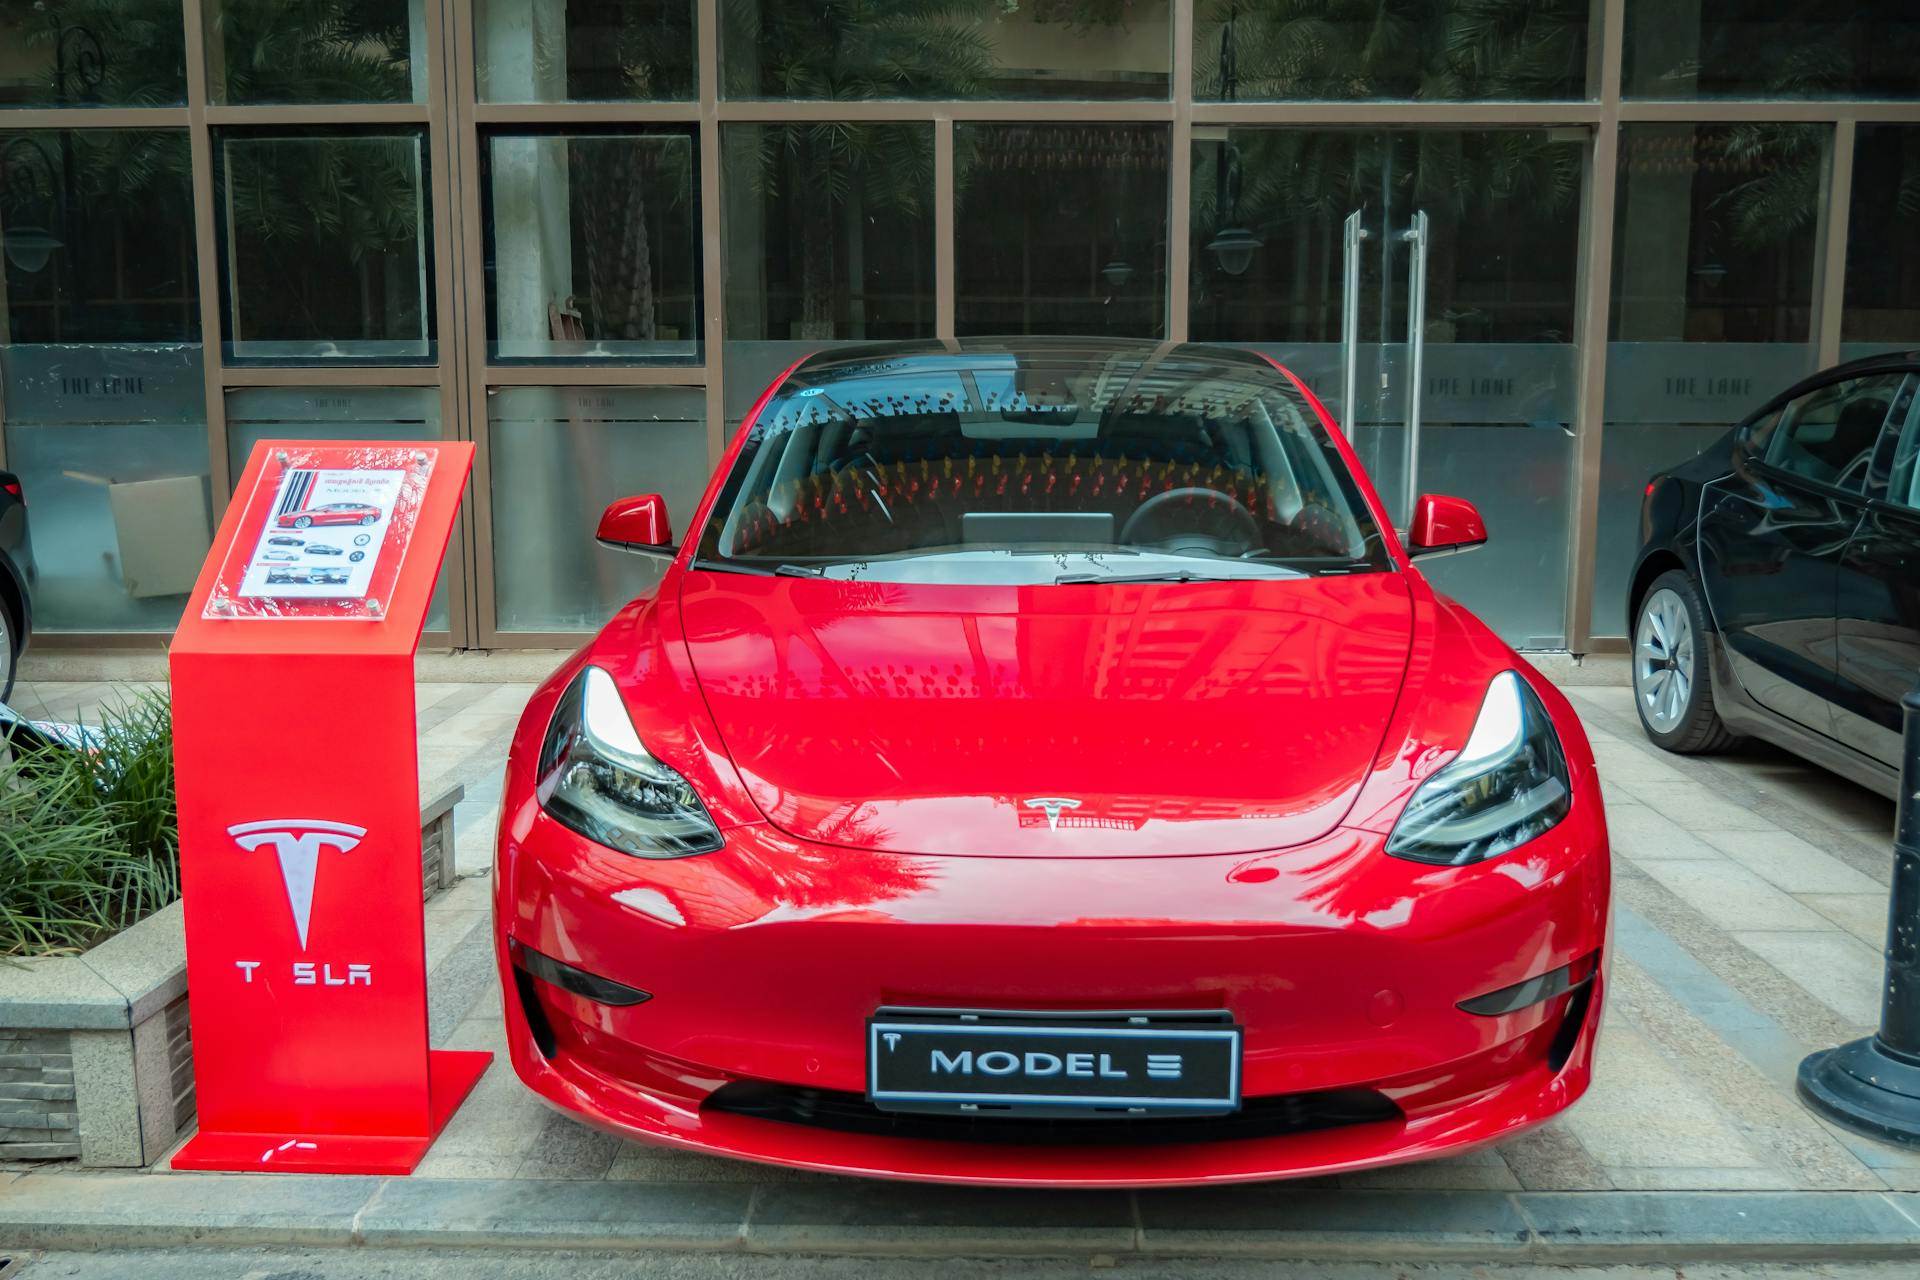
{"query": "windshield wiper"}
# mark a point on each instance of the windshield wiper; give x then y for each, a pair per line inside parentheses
(780, 570)
(1167, 575)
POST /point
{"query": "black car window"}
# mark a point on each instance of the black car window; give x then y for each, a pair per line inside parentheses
(1828, 434)
(1904, 486)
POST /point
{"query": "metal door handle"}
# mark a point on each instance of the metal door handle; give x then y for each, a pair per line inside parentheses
(1352, 234)
(1416, 235)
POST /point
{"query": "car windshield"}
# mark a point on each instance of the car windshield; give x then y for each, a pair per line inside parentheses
(1028, 467)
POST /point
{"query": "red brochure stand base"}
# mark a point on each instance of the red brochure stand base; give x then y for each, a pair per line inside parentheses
(297, 784)
(451, 1075)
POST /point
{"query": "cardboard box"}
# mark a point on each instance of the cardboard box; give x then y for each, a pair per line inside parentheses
(165, 531)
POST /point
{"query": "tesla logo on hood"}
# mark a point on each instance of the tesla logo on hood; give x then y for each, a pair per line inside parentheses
(1052, 805)
(297, 842)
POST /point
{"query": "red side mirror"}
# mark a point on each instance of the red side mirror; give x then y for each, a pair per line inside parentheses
(637, 524)
(1444, 526)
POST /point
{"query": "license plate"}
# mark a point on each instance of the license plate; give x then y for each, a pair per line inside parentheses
(978, 1063)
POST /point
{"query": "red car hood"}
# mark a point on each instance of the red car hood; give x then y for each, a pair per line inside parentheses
(1097, 721)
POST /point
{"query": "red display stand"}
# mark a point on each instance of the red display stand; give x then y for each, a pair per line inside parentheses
(299, 800)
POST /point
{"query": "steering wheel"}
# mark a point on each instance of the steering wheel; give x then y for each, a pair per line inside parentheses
(1194, 519)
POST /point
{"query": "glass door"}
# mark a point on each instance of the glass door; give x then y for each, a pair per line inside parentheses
(1422, 283)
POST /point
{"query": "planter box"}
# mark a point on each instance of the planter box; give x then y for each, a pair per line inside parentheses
(96, 1051)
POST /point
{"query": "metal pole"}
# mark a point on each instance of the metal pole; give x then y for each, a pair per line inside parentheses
(1416, 350)
(1872, 1086)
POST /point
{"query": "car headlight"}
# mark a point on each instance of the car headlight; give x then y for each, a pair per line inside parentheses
(1507, 785)
(597, 778)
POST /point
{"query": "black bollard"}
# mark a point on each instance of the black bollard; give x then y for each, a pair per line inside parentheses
(1872, 1086)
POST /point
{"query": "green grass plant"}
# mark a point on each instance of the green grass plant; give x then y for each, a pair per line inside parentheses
(89, 843)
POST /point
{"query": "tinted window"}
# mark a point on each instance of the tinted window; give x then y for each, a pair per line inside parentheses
(1015, 469)
(1904, 487)
(1828, 434)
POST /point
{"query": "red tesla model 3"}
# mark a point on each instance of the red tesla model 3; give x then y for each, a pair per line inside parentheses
(330, 513)
(1042, 763)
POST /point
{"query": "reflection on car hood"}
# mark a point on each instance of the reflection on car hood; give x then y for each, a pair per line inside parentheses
(1051, 721)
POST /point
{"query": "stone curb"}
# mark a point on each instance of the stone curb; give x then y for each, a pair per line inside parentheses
(89, 1211)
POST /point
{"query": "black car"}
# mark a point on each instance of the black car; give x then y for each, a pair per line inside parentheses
(1777, 591)
(16, 579)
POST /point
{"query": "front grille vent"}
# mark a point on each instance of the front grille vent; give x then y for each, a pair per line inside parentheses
(1264, 1117)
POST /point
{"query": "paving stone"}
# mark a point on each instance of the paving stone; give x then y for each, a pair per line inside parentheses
(1434, 1175)
(1732, 897)
(464, 980)
(1708, 1179)
(565, 1148)
(500, 1117)
(56, 1210)
(501, 1212)
(1788, 862)
(1283, 1221)
(1834, 801)
(816, 1216)
(1864, 915)
(1837, 968)
(1697, 808)
(1632, 1081)
(1671, 1226)
(1621, 763)
(1552, 1157)
(1720, 972)
(1757, 1091)
(1641, 833)
(442, 1164)
(644, 1162)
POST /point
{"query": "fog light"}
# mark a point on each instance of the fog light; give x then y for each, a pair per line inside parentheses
(588, 986)
(1534, 990)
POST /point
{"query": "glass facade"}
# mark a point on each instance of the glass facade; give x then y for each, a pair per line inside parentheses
(1527, 253)
(1712, 305)
(270, 51)
(1447, 50)
(1683, 49)
(828, 231)
(960, 49)
(325, 249)
(592, 247)
(1881, 308)
(1061, 229)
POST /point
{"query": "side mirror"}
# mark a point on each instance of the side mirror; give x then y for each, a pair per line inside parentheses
(637, 524)
(1444, 526)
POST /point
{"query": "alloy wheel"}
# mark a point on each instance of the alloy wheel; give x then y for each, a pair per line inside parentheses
(1663, 660)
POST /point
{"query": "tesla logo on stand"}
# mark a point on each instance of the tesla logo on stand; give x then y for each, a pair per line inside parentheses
(298, 842)
(1052, 805)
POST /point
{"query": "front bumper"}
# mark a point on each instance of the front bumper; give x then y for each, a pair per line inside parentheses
(764, 960)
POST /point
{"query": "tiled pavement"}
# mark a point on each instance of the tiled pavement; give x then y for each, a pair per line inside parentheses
(1751, 899)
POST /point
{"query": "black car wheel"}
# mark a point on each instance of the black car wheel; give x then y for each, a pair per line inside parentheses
(1672, 673)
